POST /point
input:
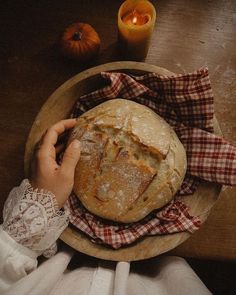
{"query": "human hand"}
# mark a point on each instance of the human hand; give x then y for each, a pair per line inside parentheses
(46, 173)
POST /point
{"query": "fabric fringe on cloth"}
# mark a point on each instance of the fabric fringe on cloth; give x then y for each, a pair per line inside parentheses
(186, 103)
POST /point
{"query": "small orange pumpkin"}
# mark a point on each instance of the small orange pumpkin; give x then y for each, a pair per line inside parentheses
(80, 41)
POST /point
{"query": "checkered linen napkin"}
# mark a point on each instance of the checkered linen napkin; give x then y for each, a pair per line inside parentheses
(186, 103)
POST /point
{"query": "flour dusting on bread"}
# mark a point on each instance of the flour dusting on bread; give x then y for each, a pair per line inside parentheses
(132, 162)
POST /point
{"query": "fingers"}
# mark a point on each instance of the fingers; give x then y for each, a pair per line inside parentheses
(47, 149)
(52, 134)
(71, 158)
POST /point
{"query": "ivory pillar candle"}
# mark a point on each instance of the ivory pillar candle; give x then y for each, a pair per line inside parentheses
(136, 20)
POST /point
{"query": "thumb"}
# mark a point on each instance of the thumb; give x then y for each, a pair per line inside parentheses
(71, 157)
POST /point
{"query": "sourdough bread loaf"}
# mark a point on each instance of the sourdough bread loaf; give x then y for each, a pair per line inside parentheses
(132, 162)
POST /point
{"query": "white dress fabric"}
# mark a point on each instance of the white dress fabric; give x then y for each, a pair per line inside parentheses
(33, 223)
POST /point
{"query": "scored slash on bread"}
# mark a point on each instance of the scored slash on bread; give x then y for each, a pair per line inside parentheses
(134, 176)
(131, 161)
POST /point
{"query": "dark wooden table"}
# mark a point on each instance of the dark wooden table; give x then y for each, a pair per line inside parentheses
(187, 36)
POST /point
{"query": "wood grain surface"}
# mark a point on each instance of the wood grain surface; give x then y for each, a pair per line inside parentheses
(187, 36)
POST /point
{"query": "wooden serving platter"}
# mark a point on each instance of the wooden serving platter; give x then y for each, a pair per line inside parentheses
(57, 107)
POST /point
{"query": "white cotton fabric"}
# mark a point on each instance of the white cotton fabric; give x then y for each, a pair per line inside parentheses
(166, 276)
(121, 278)
(19, 274)
(16, 261)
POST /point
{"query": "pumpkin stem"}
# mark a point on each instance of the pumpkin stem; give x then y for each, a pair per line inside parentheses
(77, 36)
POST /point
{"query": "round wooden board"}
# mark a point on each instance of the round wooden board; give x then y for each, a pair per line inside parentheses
(58, 107)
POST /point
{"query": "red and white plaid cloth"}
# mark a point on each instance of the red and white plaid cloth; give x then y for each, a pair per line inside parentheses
(186, 103)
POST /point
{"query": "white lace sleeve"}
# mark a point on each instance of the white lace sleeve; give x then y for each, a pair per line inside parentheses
(32, 218)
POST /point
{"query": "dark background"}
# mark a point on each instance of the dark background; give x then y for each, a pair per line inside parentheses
(187, 36)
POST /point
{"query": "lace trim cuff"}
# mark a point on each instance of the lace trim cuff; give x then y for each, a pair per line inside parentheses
(33, 219)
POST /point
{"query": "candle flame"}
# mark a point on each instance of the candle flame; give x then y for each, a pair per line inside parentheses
(134, 20)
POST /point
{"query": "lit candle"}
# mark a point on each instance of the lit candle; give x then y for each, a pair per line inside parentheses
(136, 20)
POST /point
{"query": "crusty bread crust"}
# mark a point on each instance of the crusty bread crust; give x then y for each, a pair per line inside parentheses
(132, 162)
